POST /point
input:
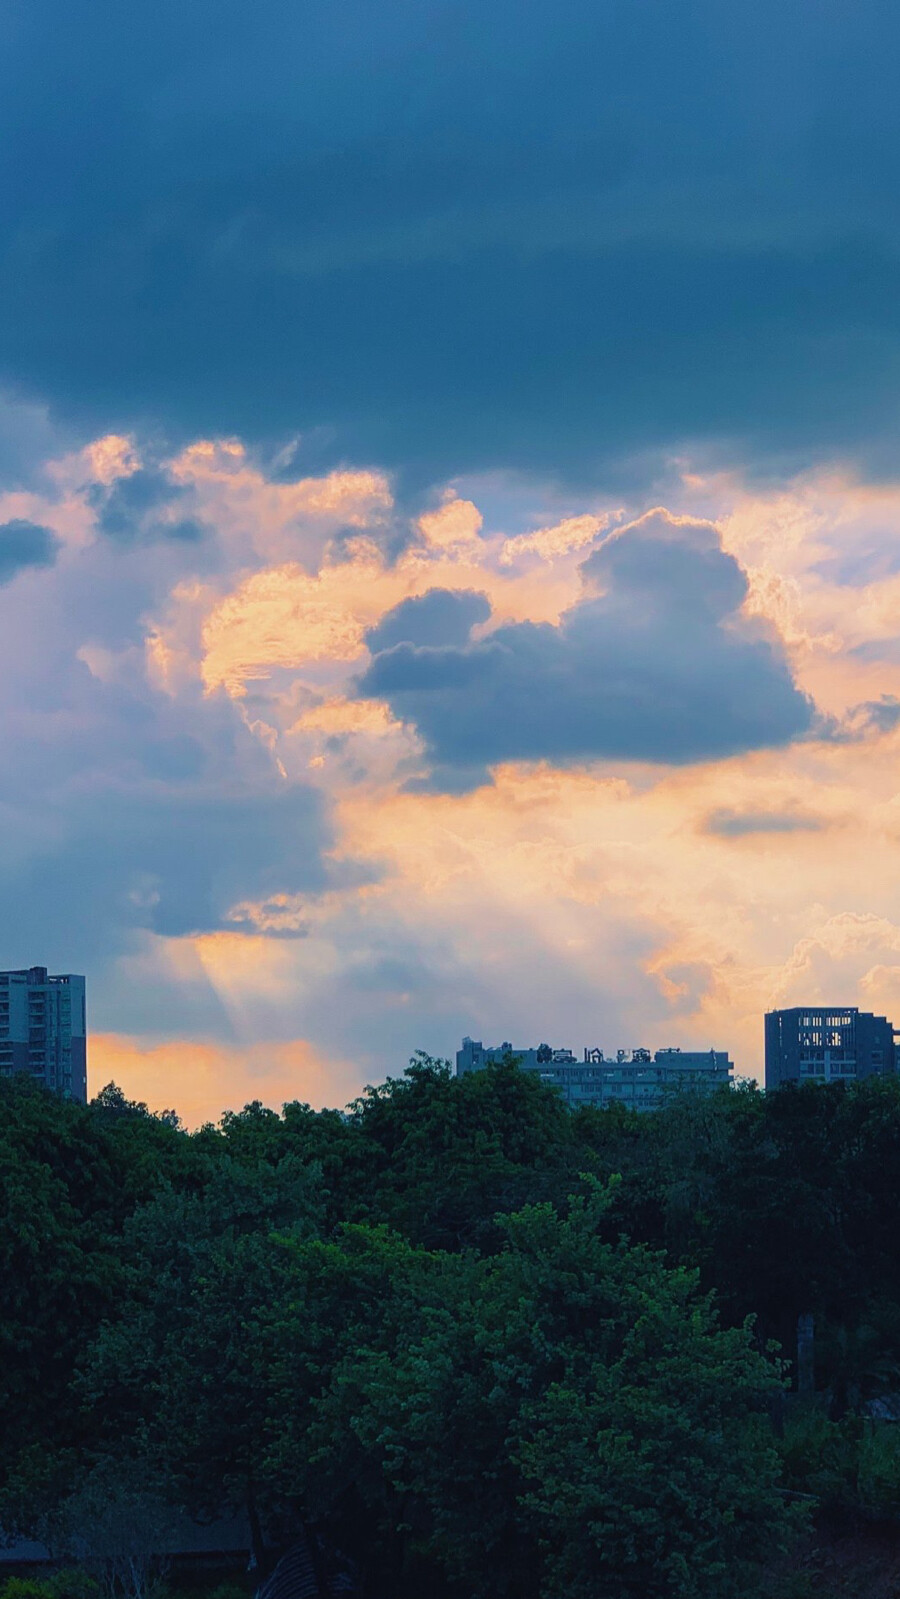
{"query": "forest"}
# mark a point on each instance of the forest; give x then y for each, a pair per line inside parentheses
(486, 1347)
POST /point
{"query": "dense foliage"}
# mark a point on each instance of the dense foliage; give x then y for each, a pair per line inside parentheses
(488, 1346)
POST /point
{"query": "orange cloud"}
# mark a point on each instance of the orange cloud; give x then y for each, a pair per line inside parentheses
(548, 542)
(454, 528)
(281, 521)
(338, 715)
(282, 617)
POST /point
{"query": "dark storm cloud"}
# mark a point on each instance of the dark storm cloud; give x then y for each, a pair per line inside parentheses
(656, 667)
(440, 616)
(24, 544)
(546, 237)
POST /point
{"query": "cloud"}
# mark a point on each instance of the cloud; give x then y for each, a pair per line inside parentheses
(653, 664)
(149, 821)
(281, 617)
(848, 953)
(199, 810)
(438, 617)
(549, 282)
(259, 517)
(573, 533)
(28, 438)
(131, 814)
(862, 721)
(143, 504)
(454, 528)
(726, 823)
(882, 715)
(174, 861)
(25, 544)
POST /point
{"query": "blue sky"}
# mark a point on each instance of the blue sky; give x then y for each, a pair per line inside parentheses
(429, 424)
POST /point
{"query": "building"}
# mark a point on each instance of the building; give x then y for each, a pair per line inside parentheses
(43, 1030)
(827, 1043)
(633, 1078)
(643, 1082)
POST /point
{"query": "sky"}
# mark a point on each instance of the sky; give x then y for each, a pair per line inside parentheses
(449, 528)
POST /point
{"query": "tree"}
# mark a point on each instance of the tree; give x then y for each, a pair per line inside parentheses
(442, 1327)
(182, 1373)
(59, 1276)
(453, 1151)
(564, 1418)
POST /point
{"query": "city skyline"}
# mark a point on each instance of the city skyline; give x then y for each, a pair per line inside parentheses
(44, 1034)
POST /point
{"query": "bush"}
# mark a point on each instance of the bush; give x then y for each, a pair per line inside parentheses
(70, 1583)
(878, 1472)
(819, 1456)
(850, 1465)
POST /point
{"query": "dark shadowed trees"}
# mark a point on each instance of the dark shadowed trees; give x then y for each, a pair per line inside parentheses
(488, 1346)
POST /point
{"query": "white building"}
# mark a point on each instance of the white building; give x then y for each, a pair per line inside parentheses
(633, 1078)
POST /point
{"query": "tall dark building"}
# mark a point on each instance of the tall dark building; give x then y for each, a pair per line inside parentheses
(43, 1030)
(827, 1043)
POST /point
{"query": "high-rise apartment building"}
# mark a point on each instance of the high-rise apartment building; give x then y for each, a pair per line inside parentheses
(827, 1043)
(43, 1029)
(634, 1078)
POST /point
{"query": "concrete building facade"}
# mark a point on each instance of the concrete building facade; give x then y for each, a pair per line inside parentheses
(827, 1043)
(634, 1078)
(43, 1029)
